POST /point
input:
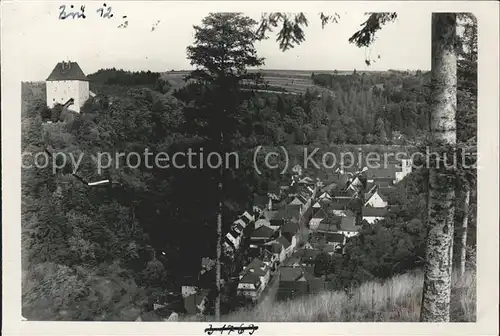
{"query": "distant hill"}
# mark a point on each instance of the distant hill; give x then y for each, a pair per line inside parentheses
(292, 81)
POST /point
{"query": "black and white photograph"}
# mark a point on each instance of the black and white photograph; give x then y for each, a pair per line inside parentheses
(230, 165)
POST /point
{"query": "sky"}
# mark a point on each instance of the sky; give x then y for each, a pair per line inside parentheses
(42, 40)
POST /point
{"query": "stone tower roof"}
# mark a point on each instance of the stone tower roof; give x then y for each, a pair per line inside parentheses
(67, 71)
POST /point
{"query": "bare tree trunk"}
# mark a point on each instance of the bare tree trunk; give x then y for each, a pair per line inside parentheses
(463, 237)
(218, 256)
(441, 210)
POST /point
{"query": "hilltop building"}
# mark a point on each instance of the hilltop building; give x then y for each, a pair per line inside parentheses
(67, 85)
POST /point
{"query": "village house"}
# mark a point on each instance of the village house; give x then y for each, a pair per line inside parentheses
(67, 85)
(285, 214)
(262, 235)
(336, 239)
(392, 171)
(307, 256)
(374, 199)
(316, 219)
(258, 268)
(348, 226)
(232, 240)
(295, 282)
(290, 231)
(250, 286)
(371, 215)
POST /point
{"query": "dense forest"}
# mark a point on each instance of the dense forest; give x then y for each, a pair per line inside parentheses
(107, 253)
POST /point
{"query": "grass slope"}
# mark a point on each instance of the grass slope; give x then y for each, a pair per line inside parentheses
(395, 300)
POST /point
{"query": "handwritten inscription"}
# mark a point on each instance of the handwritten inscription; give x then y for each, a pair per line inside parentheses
(229, 328)
(79, 14)
(104, 12)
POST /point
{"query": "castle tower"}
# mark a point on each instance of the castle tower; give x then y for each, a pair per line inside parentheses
(67, 81)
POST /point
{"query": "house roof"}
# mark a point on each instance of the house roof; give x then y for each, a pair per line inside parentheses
(290, 274)
(269, 214)
(67, 71)
(290, 227)
(374, 212)
(251, 278)
(263, 232)
(288, 212)
(332, 219)
(234, 234)
(348, 224)
(283, 241)
(319, 214)
(384, 182)
(246, 217)
(307, 254)
(256, 263)
(326, 227)
(336, 204)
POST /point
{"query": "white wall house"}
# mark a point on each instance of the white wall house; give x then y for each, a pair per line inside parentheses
(376, 201)
(67, 81)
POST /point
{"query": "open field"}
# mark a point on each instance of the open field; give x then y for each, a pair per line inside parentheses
(295, 81)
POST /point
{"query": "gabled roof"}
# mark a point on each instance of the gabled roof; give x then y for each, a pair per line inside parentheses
(320, 214)
(374, 212)
(64, 71)
(263, 232)
(250, 278)
(290, 227)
